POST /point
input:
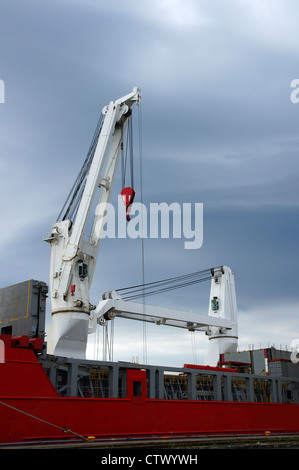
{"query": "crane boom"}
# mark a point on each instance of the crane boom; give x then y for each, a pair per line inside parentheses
(72, 258)
(220, 324)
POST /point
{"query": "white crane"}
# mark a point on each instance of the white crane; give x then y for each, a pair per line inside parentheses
(72, 258)
(73, 261)
(220, 324)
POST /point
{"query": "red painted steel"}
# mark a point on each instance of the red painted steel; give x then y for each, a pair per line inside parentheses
(31, 409)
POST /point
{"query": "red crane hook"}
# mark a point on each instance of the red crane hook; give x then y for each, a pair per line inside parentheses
(128, 195)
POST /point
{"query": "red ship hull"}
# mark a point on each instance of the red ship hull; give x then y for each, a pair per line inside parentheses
(32, 410)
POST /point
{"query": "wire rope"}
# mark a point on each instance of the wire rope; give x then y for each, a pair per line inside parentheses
(142, 228)
(73, 199)
(64, 429)
(164, 285)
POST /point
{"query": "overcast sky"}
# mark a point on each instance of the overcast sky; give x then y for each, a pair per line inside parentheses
(218, 127)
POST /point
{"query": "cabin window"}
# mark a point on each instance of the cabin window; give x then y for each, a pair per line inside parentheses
(6, 330)
(137, 389)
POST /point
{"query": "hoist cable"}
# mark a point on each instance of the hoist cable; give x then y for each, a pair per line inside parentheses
(131, 150)
(122, 159)
(165, 285)
(128, 154)
(163, 289)
(142, 238)
(124, 162)
(175, 278)
(73, 199)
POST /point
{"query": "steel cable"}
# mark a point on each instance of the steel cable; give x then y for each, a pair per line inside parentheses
(73, 199)
(164, 285)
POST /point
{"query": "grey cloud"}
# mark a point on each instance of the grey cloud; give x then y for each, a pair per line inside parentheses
(218, 128)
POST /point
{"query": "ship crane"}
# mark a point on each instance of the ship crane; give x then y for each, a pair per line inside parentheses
(73, 258)
(220, 324)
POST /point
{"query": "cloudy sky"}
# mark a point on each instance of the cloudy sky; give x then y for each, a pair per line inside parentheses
(218, 127)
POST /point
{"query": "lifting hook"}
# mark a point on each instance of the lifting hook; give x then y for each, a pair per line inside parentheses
(128, 195)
